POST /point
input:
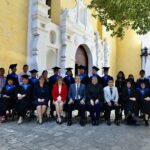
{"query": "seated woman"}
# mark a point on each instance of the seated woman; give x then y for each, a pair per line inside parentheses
(129, 96)
(144, 101)
(41, 98)
(8, 99)
(95, 96)
(59, 93)
(24, 97)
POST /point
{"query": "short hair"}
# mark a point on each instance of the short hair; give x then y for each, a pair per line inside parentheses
(111, 79)
(25, 65)
(142, 71)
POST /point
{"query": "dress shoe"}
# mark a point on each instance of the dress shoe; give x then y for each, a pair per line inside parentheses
(117, 122)
(69, 123)
(108, 122)
(93, 122)
(97, 122)
(82, 123)
(146, 123)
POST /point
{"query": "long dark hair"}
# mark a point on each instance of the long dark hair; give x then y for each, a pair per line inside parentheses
(122, 73)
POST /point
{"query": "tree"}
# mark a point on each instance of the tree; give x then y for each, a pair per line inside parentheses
(117, 15)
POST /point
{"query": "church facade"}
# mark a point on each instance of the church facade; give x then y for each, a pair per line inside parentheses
(45, 33)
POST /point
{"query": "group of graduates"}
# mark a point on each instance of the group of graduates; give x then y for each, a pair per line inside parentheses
(23, 94)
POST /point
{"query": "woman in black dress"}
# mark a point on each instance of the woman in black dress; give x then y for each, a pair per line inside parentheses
(95, 96)
(144, 101)
(8, 98)
(24, 98)
(120, 84)
(129, 96)
(41, 98)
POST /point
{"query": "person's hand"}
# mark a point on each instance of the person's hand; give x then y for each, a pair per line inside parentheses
(116, 103)
(70, 101)
(82, 102)
(133, 99)
(109, 104)
(39, 100)
(147, 98)
(92, 102)
(97, 101)
(42, 100)
(5, 96)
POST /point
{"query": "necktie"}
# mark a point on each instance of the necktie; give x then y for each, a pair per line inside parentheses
(77, 91)
(111, 91)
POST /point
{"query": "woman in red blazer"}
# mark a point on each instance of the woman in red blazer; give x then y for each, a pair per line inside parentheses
(59, 94)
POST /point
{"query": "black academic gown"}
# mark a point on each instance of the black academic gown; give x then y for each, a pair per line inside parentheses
(8, 103)
(24, 104)
(105, 79)
(144, 105)
(85, 79)
(130, 106)
(69, 80)
(14, 76)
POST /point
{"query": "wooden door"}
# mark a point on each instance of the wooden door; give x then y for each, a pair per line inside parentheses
(81, 59)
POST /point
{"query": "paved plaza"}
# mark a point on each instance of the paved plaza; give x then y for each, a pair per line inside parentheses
(50, 136)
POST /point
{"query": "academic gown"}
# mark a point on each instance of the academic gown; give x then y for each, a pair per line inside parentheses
(24, 104)
(144, 105)
(69, 80)
(129, 104)
(105, 79)
(95, 92)
(33, 81)
(140, 80)
(14, 76)
(84, 79)
(8, 103)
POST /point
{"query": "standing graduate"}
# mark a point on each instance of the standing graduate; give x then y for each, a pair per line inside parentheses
(144, 101)
(52, 81)
(24, 98)
(120, 83)
(24, 72)
(141, 79)
(8, 98)
(129, 96)
(33, 79)
(68, 79)
(95, 74)
(84, 77)
(95, 97)
(13, 74)
(105, 77)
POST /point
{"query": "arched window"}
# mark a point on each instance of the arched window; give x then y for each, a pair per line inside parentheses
(48, 3)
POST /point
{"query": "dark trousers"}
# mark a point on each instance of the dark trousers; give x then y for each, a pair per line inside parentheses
(108, 110)
(95, 111)
(76, 106)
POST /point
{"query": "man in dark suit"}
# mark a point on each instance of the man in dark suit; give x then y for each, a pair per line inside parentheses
(77, 97)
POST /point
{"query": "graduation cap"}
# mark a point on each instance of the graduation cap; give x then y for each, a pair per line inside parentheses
(95, 68)
(33, 71)
(10, 78)
(69, 69)
(56, 68)
(12, 66)
(106, 68)
(25, 76)
(81, 67)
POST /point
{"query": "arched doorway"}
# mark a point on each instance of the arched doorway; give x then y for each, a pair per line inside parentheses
(81, 59)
